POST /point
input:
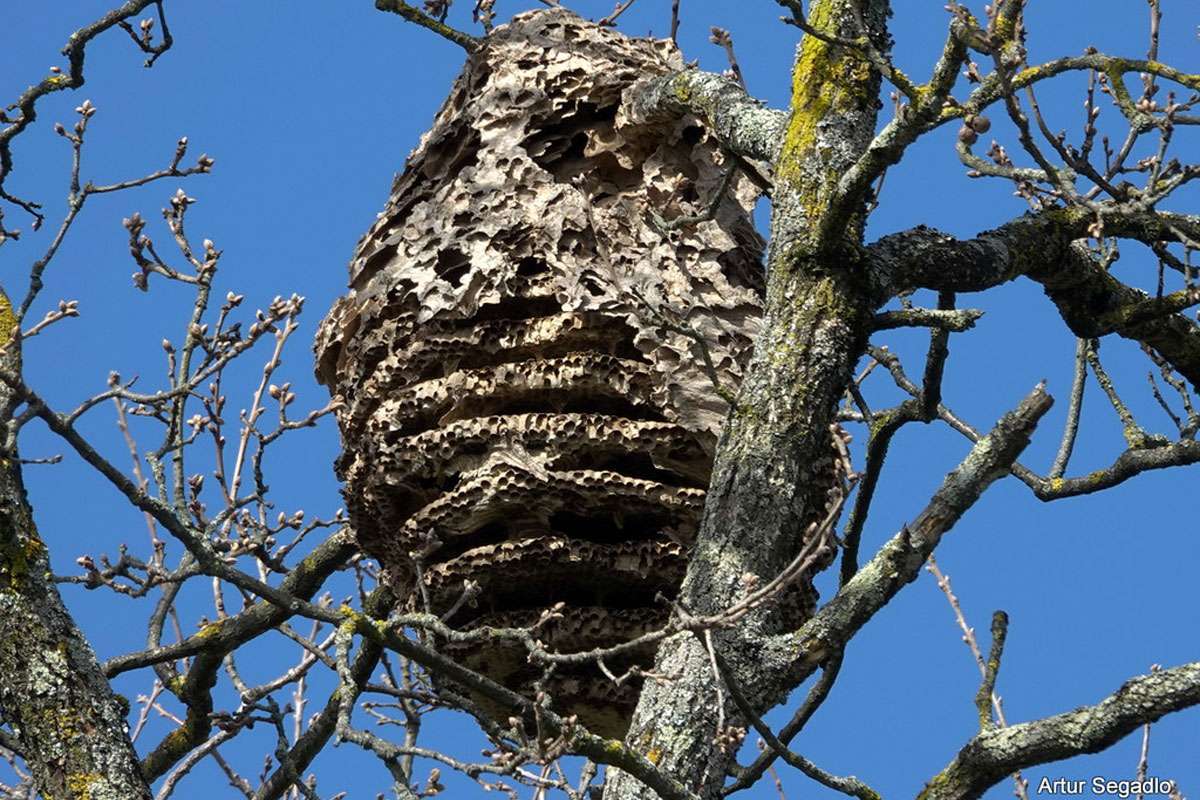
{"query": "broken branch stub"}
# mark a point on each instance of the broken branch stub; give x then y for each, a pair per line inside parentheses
(529, 359)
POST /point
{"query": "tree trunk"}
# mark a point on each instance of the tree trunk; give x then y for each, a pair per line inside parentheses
(772, 467)
(69, 725)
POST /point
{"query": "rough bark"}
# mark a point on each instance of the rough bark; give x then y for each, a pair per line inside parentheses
(998, 752)
(770, 478)
(1044, 248)
(743, 124)
(899, 562)
(70, 726)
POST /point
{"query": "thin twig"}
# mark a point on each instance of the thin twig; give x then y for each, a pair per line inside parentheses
(611, 19)
(1071, 427)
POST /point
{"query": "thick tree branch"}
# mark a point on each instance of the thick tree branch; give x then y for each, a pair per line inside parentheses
(991, 670)
(883, 427)
(1071, 428)
(899, 562)
(1091, 301)
(741, 122)
(995, 754)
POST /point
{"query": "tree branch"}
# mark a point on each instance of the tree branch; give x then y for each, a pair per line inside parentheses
(994, 754)
(816, 696)
(742, 123)
(1091, 301)
(418, 17)
(987, 688)
(848, 785)
(899, 562)
(26, 105)
(953, 319)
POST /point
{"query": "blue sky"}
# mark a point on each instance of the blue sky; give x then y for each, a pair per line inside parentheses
(309, 108)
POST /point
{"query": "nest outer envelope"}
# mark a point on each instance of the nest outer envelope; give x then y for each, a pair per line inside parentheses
(519, 352)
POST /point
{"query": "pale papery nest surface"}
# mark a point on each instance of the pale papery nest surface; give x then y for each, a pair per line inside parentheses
(519, 350)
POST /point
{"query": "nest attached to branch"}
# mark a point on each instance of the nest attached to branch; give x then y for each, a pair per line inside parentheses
(530, 358)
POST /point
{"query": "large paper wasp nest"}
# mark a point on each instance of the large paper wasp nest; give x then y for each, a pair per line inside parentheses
(529, 358)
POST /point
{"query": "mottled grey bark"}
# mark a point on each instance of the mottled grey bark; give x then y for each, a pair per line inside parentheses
(773, 465)
(70, 726)
(1044, 247)
(742, 123)
(996, 753)
(899, 562)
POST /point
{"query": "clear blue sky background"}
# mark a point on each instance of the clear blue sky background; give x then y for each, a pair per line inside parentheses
(309, 108)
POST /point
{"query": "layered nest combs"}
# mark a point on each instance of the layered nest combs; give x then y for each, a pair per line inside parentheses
(530, 358)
